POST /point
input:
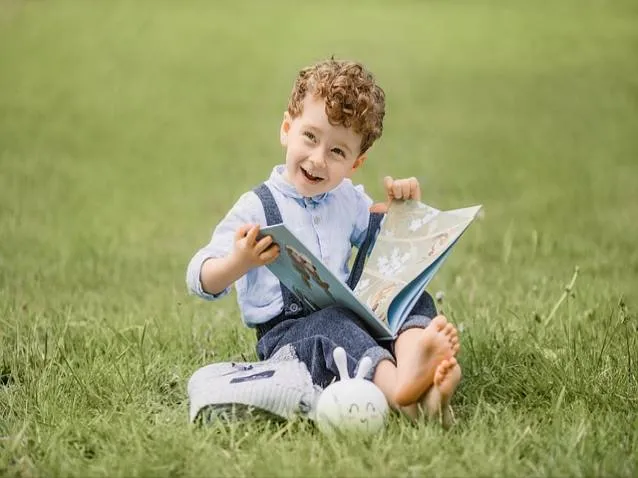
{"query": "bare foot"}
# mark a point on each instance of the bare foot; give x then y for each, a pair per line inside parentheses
(413, 412)
(437, 400)
(418, 353)
(453, 337)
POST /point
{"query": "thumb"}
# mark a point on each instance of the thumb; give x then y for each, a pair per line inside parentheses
(379, 207)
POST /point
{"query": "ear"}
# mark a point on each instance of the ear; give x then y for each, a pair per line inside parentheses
(341, 361)
(358, 163)
(285, 128)
(364, 367)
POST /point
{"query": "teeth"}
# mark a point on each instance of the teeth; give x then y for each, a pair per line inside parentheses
(310, 175)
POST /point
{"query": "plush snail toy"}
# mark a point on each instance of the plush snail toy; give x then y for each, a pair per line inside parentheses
(351, 404)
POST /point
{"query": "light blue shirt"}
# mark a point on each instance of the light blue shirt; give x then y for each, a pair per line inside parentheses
(327, 224)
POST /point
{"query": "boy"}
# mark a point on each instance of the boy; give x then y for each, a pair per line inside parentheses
(334, 115)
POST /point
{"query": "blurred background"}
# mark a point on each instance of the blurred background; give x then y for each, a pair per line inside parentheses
(129, 128)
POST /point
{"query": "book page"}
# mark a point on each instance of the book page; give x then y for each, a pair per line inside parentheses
(412, 237)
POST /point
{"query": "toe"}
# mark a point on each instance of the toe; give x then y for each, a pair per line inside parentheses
(441, 371)
(447, 330)
(449, 365)
(439, 322)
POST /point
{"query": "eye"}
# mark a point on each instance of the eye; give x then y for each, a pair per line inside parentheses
(339, 152)
(311, 136)
(370, 407)
(354, 408)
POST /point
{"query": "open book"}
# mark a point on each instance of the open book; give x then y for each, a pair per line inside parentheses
(412, 243)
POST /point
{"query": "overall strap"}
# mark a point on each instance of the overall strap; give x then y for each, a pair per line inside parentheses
(357, 268)
(292, 306)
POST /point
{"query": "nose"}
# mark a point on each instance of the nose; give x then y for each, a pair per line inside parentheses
(318, 158)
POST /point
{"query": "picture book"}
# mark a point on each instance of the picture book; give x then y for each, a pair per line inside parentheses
(412, 243)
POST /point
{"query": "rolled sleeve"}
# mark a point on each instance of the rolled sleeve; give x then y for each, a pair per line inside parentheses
(193, 276)
(222, 243)
(422, 313)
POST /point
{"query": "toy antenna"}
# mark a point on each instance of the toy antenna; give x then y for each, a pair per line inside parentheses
(341, 360)
(364, 367)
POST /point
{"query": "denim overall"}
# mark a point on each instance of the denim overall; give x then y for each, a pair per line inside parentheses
(312, 336)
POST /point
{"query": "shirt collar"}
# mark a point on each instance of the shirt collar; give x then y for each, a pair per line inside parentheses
(287, 189)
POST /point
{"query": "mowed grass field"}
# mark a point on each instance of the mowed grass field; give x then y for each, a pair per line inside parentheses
(128, 129)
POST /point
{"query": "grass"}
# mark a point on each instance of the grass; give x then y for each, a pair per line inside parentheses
(127, 129)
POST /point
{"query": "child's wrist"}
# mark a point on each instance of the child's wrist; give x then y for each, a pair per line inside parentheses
(238, 264)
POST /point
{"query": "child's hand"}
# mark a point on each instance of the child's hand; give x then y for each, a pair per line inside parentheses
(398, 189)
(251, 253)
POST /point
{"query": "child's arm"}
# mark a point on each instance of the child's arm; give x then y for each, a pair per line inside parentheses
(217, 263)
(219, 273)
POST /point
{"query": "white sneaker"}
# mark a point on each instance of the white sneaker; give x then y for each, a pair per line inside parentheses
(280, 386)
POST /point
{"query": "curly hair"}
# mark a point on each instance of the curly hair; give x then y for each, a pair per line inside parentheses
(352, 97)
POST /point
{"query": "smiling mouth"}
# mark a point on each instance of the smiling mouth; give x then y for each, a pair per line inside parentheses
(310, 177)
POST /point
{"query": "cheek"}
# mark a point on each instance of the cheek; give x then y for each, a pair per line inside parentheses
(341, 169)
(296, 149)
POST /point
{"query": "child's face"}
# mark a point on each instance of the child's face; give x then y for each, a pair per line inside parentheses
(319, 155)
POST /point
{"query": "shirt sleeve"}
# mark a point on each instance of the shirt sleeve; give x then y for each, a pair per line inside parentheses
(245, 211)
(361, 203)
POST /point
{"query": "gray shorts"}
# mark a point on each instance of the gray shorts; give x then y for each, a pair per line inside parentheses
(313, 338)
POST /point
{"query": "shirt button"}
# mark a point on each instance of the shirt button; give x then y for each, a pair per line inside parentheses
(317, 220)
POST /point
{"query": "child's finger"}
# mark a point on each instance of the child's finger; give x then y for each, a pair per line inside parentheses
(397, 190)
(242, 230)
(263, 244)
(411, 189)
(387, 185)
(270, 254)
(251, 237)
(415, 189)
(405, 189)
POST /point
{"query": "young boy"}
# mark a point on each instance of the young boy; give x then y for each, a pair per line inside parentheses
(334, 115)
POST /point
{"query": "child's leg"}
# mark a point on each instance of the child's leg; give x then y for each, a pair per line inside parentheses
(421, 345)
(312, 340)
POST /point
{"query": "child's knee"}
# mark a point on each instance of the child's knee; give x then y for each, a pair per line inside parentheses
(322, 342)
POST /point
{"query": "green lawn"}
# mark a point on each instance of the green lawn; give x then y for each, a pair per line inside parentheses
(127, 130)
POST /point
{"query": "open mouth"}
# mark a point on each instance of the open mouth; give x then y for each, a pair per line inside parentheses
(310, 177)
